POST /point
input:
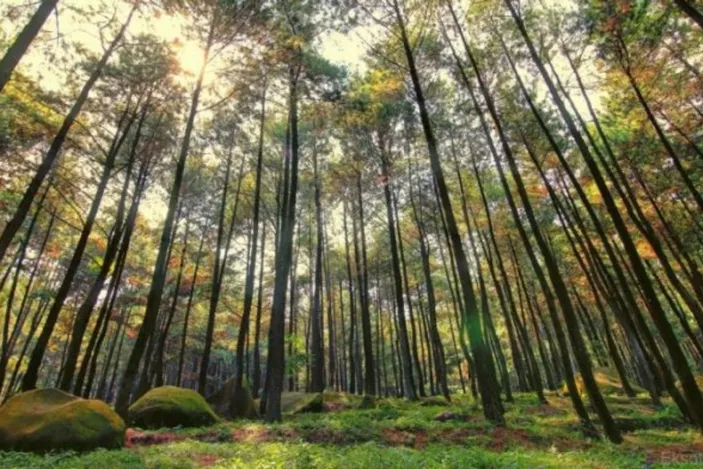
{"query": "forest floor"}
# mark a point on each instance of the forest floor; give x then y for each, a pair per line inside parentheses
(400, 434)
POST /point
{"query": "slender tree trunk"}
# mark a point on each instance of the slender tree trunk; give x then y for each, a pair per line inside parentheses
(256, 378)
(435, 344)
(411, 315)
(34, 325)
(362, 281)
(29, 381)
(343, 360)
(492, 406)
(186, 317)
(352, 310)
(158, 366)
(426, 333)
(317, 352)
(332, 379)
(276, 363)
(293, 378)
(406, 360)
(115, 349)
(688, 383)
(89, 363)
(219, 267)
(5, 345)
(86, 309)
(147, 328)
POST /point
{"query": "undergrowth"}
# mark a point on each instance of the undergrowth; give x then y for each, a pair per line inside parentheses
(400, 434)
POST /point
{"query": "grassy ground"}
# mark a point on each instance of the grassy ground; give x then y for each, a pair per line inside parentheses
(399, 434)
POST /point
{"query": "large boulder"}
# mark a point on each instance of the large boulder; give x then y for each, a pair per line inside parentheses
(48, 420)
(170, 406)
(367, 402)
(301, 402)
(433, 401)
(340, 400)
(227, 406)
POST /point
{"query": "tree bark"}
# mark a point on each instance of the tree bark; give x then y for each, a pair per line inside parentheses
(159, 276)
(492, 406)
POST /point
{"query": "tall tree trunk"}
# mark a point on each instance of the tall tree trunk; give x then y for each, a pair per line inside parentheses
(86, 309)
(5, 343)
(158, 364)
(115, 349)
(332, 379)
(343, 360)
(153, 306)
(514, 348)
(317, 352)
(571, 384)
(688, 383)
(186, 317)
(256, 378)
(413, 327)
(29, 381)
(435, 343)
(34, 325)
(352, 309)
(89, 362)
(487, 382)
(217, 274)
(276, 362)
(406, 360)
(363, 286)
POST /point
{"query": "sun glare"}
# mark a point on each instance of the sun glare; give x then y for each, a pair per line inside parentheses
(171, 28)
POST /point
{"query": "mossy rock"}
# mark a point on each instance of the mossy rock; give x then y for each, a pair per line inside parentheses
(608, 382)
(432, 401)
(301, 402)
(170, 406)
(226, 406)
(367, 402)
(51, 420)
(340, 400)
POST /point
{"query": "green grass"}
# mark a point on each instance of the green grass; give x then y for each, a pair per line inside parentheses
(399, 434)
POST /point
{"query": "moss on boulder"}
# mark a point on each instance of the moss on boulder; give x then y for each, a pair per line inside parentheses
(301, 402)
(431, 401)
(226, 406)
(170, 406)
(367, 402)
(340, 400)
(49, 420)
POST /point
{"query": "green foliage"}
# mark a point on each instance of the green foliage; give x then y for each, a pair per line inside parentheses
(401, 434)
(25, 119)
(71, 460)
